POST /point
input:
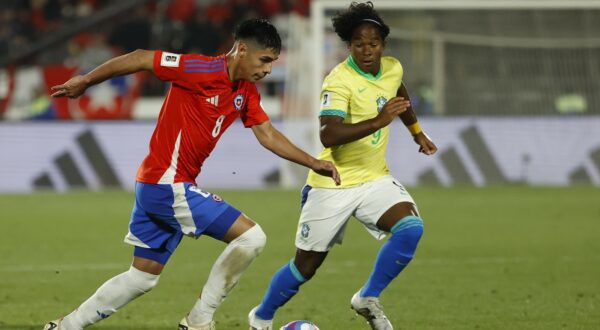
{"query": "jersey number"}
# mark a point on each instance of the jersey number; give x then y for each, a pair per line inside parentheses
(199, 191)
(218, 123)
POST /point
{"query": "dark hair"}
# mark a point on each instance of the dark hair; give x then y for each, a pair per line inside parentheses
(261, 31)
(346, 21)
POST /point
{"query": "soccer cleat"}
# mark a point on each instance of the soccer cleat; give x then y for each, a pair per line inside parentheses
(370, 309)
(183, 325)
(52, 325)
(257, 323)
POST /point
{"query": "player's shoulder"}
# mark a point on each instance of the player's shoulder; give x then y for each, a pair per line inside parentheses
(340, 75)
(192, 62)
(203, 58)
(202, 63)
(391, 62)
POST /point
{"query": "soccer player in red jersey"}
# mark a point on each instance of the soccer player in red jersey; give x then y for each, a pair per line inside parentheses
(207, 94)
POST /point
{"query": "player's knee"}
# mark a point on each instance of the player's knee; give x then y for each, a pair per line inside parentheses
(143, 281)
(253, 240)
(408, 230)
(414, 233)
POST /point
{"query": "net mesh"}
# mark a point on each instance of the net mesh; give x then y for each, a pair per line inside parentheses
(493, 62)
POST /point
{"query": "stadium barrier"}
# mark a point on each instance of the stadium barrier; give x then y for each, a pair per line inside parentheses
(60, 155)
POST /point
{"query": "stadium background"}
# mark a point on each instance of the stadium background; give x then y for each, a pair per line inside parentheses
(509, 90)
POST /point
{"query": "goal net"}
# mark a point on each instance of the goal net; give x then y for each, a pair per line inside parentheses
(486, 57)
(494, 80)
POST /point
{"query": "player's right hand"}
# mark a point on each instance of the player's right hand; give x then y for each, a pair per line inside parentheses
(326, 168)
(73, 88)
(391, 110)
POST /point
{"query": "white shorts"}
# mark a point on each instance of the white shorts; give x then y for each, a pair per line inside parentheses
(326, 211)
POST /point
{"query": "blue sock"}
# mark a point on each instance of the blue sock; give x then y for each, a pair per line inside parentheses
(394, 255)
(284, 285)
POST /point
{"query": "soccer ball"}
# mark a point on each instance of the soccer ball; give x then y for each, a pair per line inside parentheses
(300, 325)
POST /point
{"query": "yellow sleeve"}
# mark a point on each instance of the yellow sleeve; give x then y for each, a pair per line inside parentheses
(335, 99)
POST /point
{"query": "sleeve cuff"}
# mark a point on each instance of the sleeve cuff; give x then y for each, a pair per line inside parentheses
(338, 113)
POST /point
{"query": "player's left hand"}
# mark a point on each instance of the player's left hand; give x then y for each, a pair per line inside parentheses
(426, 146)
(327, 168)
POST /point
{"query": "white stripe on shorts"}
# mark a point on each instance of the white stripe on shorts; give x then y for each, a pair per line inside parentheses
(133, 240)
(183, 214)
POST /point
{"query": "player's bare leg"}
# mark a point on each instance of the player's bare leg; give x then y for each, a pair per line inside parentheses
(245, 240)
(395, 214)
(115, 293)
(308, 262)
(403, 222)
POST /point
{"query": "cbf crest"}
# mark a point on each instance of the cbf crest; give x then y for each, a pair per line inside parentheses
(238, 101)
(381, 101)
(304, 230)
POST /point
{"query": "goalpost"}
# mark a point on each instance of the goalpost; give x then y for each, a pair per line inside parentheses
(319, 25)
(463, 59)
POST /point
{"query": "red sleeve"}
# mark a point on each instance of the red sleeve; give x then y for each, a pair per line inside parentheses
(253, 113)
(185, 67)
(168, 66)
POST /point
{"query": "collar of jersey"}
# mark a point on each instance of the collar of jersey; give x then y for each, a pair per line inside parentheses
(356, 68)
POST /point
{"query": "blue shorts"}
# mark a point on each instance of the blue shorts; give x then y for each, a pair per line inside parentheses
(163, 213)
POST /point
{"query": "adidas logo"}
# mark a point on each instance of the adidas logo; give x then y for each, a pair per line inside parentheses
(73, 169)
(213, 100)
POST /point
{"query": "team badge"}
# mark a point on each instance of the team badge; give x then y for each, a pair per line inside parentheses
(238, 101)
(217, 198)
(381, 101)
(305, 230)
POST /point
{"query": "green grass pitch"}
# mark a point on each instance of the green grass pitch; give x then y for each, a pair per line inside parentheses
(491, 258)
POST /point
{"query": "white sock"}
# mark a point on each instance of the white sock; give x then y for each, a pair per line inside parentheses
(226, 272)
(109, 297)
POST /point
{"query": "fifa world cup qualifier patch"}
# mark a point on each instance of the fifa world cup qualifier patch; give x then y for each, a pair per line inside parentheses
(169, 60)
(326, 100)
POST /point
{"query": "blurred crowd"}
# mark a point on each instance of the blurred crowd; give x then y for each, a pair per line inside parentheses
(202, 26)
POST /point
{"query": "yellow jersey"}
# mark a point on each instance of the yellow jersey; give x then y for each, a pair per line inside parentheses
(356, 96)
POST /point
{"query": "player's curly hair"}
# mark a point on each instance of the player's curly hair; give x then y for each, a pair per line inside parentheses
(261, 31)
(346, 21)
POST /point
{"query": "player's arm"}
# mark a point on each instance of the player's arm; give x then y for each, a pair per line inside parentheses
(270, 138)
(335, 132)
(409, 118)
(138, 60)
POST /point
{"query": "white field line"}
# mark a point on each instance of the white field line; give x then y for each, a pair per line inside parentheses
(503, 260)
(67, 267)
(434, 262)
(348, 263)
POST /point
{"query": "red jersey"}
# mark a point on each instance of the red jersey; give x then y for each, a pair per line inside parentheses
(200, 105)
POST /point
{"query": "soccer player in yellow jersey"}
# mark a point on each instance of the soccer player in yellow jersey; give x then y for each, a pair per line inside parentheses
(360, 98)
